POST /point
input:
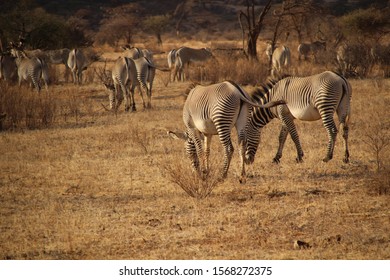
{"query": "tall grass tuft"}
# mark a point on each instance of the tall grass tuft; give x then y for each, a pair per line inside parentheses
(24, 108)
(181, 174)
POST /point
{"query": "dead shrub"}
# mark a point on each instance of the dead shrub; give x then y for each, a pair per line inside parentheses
(182, 175)
(141, 138)
(24, 108)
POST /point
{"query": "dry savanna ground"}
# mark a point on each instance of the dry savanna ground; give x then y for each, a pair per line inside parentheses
(100, 185)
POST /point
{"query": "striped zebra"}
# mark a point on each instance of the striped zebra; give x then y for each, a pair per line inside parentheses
(134, 53)
(184, 56)
(281, 60)
(32, 69)
(306, 49)
(77, 63)
(171, 57)
(215, 110)
(128, 74)
(307, 99)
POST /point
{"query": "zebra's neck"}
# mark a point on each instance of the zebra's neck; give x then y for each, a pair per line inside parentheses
(262, 116)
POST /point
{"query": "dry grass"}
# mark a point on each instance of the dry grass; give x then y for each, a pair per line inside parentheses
(93, 186)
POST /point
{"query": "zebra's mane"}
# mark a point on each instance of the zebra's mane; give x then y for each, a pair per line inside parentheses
(260, 93)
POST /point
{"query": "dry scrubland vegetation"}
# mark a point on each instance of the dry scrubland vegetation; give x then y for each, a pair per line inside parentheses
(78, 182)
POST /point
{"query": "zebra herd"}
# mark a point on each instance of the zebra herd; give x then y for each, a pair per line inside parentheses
(33, 65)
(217, 108)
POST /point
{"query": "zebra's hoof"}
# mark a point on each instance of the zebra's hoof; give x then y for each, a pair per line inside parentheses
(299, 160)
(276, 161)
(346, 160)
(242, 180)
(326, 159)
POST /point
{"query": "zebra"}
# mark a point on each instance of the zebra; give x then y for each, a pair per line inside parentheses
(281, 60)
(214, 110)
(121, 77)
(269, 51)
(77, 63)
(185, 55)
(59, 56)
(30, 68)
(171, 57)
(306, 49)
(8, 68)
(134, 53)
(131, 73)
(308, 99)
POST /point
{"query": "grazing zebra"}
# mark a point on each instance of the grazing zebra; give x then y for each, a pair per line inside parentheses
(214, 110)
(30, 68)
(77, 64)
(184, 56)
(306, 49)
(281, 60)
(308, 99)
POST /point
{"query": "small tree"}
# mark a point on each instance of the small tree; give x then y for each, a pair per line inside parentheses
(119, 24)
(156, 25)
(366, 25)
(251, 27)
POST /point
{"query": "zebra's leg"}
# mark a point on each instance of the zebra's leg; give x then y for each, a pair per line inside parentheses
(143, 86)
(74, 76)
(149, 96)
(226, 142)
(111, 98)
(343, 115)
(36, 83)
(132, 100)
(288, 121)
(191, 153)
(282, 140)
(345, 129)
(331, 129)
(242, 148)
(195, 151)
(207, 142)
(125, 94)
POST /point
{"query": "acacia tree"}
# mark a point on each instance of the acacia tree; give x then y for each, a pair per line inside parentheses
(120, 23)
(156, 25)
(251, 26)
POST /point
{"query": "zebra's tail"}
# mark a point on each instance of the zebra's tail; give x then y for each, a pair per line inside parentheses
(45, 71)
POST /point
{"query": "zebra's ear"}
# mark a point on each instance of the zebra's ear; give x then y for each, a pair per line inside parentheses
(177, 135)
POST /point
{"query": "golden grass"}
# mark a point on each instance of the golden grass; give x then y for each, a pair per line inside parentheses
(94, 187)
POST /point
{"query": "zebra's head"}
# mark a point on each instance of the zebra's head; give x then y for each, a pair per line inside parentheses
(253, 134)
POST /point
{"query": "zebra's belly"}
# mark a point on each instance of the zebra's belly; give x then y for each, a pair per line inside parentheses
(206, 126)
(308, 113)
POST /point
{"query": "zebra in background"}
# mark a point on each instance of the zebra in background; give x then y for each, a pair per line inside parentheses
(307, 99)
(77, 63)
(131, 73)
(30, 68)
(171, 57)
(215, 110)
(184, 56)
(134, 53)
(306, 49)
(281, 60)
